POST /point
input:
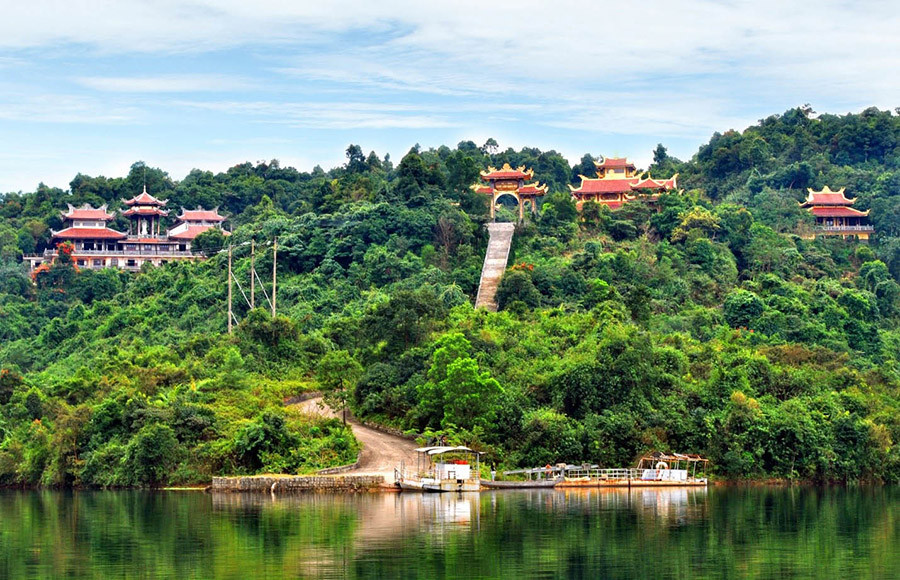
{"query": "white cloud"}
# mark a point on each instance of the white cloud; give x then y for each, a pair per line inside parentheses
(64, 108)
(335, 115)
(573, 69)
(182, 83)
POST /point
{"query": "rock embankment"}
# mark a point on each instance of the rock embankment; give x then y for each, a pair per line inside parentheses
(297, 483)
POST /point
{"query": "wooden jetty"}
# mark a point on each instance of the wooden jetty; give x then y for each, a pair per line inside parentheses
(653, 470)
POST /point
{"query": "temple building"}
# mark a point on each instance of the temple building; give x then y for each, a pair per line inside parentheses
(617, 183)
(509, 181)
(145, 213)
(96, 245)
(190, 223)
(93, 241)
(834, 216)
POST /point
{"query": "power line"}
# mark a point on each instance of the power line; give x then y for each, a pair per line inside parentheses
(254, 278)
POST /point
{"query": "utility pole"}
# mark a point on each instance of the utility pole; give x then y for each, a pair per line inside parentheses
(252, 274)
(229, 289)
(274, 272)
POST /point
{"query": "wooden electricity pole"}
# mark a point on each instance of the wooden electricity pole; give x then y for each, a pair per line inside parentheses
(252, 274)
(229, 289)
(274, 272)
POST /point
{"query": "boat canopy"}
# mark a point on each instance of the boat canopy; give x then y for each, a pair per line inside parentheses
(440, 449)
(658, 456)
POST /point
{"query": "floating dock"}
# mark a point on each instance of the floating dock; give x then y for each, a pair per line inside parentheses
(654, 470)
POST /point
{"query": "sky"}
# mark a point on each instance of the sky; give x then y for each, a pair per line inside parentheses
(92, 86)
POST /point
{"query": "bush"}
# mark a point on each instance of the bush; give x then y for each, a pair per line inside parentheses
(742, 308)
(151, 456)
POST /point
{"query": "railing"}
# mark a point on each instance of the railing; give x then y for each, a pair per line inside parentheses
(577, 471)
(594, 472)
(620, 473)
(121, 253)
(845, 228)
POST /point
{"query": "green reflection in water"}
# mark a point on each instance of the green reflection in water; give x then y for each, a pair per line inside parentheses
(675, 533)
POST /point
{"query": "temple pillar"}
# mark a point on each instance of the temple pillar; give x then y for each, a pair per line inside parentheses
(521, 209)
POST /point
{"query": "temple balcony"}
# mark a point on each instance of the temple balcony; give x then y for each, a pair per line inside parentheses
(121, 253)
(863, 228)
(147, 237)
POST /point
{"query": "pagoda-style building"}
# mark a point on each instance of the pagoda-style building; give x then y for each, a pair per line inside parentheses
(86, 227)
(834, 216)
(95, 245)
(190, 223)
(145, 213)
(617, 183)
(509, 181)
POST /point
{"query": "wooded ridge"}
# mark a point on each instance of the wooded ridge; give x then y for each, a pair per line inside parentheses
(710, 322)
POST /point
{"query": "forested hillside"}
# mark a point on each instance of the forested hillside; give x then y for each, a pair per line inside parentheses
(710, 326)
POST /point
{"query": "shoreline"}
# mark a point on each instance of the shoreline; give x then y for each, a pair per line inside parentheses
(371, 483)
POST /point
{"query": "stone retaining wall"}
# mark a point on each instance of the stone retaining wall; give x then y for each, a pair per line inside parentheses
(342, 468)
(302, 397)
(297, 483)
(386, 430)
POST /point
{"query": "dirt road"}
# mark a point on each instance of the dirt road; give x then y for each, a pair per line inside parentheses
(381, 452)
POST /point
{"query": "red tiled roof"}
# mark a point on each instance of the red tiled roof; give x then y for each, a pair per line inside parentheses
(654, 184)
(614, 163)
(200, 215)
(89, 234)
(143, 199)
(506, 172)
(192, 232)
(828, 199)
(589, 185)
(506, 175)
(623, 185)
(533, 188)
(837, 211)
(87, 212)
(144, 211)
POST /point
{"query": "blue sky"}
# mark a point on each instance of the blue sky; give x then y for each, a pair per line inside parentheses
(95, 85)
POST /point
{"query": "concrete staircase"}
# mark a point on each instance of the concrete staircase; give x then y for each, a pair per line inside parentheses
(494, 264)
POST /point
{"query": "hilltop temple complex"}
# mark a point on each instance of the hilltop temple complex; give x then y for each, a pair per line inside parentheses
(617, 183)
(96, 245)
(508, 181)
(835, 217)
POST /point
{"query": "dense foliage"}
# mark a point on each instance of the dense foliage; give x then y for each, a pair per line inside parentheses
(713, 325)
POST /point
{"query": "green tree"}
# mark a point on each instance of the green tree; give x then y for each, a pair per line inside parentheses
(470, 394)
(356, 160)
(9, 382)
(209, 242)
(742, 308)
(152, 455)
(516, 285)
(699, 222)
(338, 372)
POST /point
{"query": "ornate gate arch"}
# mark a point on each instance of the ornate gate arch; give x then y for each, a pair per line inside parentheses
(509, 181)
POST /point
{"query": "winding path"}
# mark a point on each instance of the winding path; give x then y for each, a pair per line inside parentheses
(381, 452)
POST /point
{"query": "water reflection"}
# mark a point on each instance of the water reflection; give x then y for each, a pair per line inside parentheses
(612, 533)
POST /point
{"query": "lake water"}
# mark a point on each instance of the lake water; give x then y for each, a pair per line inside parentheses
(829, 533)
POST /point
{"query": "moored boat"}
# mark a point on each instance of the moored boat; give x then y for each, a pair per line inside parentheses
(441, 469)
(653, 470)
